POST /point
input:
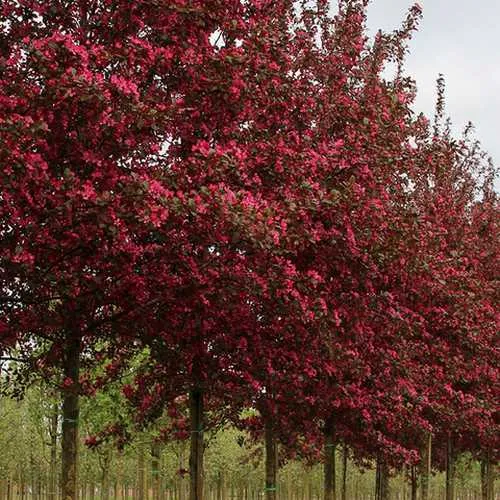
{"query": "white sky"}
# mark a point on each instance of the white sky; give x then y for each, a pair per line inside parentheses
(460, 39)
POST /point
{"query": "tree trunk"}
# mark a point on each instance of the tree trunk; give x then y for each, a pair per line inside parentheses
(414, 483)
(181, 493)
(271, 461)
(425, 467)
(382, 480)
(329, 471)
(450, 470)
(40, 486)
(344, 472)
(105, 464)
(487, 479)
(70, 414)
(22, 486)
(54, 421)
(119, 479)
(155, 469)
(33, 485)
(141, 477)
(105, 486)
(220, 485)
(196, 453)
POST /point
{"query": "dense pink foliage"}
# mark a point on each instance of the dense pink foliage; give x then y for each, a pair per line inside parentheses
(236, 186)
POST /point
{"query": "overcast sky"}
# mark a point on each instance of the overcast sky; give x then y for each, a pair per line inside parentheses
(460, 39)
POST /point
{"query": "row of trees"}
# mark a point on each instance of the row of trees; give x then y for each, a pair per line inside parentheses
(237, 187)
(149, 467)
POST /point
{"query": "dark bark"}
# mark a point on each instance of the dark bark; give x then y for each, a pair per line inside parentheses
(425, 467)
(271, 461)
(414, 483)
(487, 479)
(70, 415)
(344, 472)
(329, 470)
(382, 480)
(450, 470)
(196, 452)
(23, 489)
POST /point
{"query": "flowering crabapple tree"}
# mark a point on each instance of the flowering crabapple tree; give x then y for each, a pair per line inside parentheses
(87, 90)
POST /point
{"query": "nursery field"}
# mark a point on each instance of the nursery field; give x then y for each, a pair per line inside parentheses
(30, 464)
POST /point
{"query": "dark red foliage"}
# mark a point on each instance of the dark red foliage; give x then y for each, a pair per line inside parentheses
(238, 188)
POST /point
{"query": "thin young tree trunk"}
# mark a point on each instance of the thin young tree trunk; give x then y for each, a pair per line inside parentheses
(344, 472)
(220, 485)
(450, 470)
(181, 494)
(155, 469)
(105, 486)
(32, 478)
(141, 466)
(9, 489)
(22, 483)
(271, 461)
(40, 486)
(70, 414)
(196, 453)
(54, 422)
(329, 470)
(425, 467)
